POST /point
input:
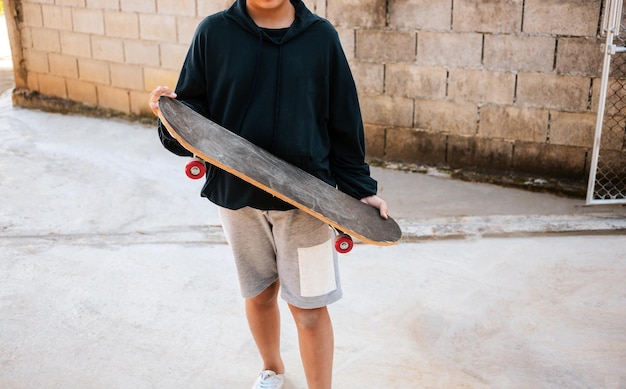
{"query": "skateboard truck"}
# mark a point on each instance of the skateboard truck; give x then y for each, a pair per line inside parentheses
(343, 243)
(195, 169)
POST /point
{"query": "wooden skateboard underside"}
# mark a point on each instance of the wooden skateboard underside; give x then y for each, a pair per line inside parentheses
(236, 155)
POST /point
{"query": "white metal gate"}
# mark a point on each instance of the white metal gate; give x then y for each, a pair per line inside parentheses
(607, 178)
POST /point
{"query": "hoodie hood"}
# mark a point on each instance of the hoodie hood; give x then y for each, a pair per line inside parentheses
(303, 21)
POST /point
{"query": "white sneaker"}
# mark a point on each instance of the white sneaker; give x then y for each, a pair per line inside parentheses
(268, 380)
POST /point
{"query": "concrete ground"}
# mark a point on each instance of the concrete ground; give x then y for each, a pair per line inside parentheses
(114, 274)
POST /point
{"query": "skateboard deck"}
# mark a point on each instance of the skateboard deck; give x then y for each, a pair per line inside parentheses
(236, 155)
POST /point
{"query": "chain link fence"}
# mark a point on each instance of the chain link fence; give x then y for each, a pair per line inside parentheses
(608, 171)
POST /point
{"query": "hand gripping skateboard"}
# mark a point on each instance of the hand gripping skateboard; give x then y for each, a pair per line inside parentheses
(218, 146)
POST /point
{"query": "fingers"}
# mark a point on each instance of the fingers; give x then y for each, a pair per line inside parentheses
(378, 203)
(154, 97)
(384, 210)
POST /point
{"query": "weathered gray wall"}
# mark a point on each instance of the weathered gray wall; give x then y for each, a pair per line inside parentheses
(503, 85)
(488, 84)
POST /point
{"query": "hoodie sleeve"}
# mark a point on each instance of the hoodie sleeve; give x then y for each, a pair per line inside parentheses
(170, 143)
(190, 89)
(347, 137)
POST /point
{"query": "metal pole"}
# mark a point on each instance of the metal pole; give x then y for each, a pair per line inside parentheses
(612, 20)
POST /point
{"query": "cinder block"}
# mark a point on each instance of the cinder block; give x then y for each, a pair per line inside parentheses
(446, 117)
(361, 13)
(565, 93)
(500, 16)
(63, 65)
(127, 76)
(514, 123)
(415, 146)
(348, 41)
(572, 129)
(160, 28)
(37, 61)
(51, 85)
(68, 3)
(44, 39)
(580, 56)
(113, 98)
(316, 6)
(103, 4)
(385, 45)
(93, 71)
(89, 21)
(32, 15)
(546, 160)
(107, 49)
(82, 92)
(177, 7)
(209, 7)
(369, 77)
(186, 28)
(383, 110)
(479, 153)
(139, 103)
(59, 18)
(154, 77)
(32, 80)
(76, 44)
(519, 53)
(595, 94)
(142, 6)
(27, 38)
(142, 53)
(562, 17)
(375, 141)
(408, 80)
(420, 14)
(121, 25)
(450, 50)
(173, 56)
(481, 86)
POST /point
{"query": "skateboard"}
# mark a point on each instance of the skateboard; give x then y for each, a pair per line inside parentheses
(211, 143)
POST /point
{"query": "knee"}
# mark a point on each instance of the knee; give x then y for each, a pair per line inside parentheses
(309, 318)
(268, 297)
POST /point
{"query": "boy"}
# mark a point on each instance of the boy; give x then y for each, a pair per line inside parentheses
(274, 73)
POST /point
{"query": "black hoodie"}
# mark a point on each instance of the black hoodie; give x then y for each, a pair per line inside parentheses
(294, 96)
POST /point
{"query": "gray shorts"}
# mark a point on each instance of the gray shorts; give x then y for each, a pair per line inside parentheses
(290, 246)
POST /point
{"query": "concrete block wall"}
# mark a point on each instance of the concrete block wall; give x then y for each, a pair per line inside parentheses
(105, 53)
(503, 85)
(495, 85)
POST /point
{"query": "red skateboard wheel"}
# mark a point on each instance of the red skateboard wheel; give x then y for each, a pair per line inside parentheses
(195, 169)
(343, 243)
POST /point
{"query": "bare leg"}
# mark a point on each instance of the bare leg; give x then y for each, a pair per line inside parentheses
(315, 335)
(264, 321)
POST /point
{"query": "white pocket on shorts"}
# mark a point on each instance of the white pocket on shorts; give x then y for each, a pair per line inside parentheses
(317, 270)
